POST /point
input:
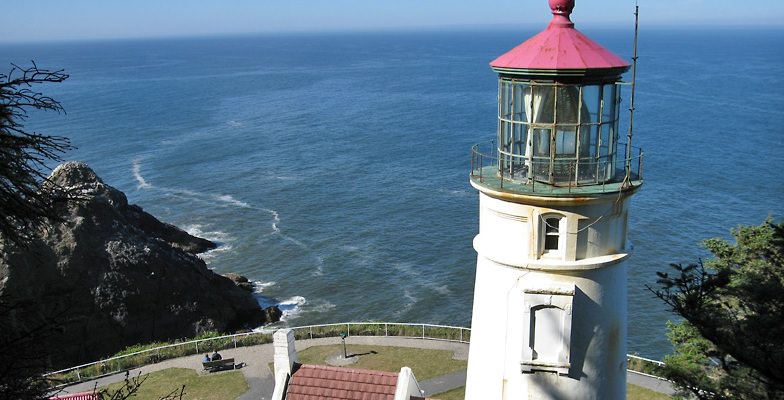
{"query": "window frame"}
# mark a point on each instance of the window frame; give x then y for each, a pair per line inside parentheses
(550, 299)
(558, 230)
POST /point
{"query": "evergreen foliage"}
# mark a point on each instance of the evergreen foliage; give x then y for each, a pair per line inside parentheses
(24, 155)
(730, 344)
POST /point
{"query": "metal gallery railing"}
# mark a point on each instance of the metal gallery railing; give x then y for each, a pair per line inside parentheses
(490, 166)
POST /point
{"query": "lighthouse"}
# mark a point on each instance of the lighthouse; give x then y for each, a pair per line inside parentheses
(555, 184)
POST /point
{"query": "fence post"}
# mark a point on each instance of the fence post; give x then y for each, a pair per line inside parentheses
(348, 329)
(423, 331)
(386, 329)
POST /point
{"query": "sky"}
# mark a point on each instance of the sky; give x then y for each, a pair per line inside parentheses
(56, 20)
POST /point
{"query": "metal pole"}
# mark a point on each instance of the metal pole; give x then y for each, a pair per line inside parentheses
(343, 337)
(628, 163)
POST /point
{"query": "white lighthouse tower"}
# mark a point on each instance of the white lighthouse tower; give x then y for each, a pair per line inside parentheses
(549, 314)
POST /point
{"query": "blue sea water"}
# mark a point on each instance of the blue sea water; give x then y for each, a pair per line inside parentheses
(333, 168)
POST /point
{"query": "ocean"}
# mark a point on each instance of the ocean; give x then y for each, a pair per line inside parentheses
(332, 169)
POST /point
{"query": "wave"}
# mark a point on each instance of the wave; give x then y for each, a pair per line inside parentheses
(319, 266)
(276, 229)
(320, 307)
(275, 219)
(455, 192)
(291, 307)
(137, 168)
(209, 255)
(410, 302)
(220, 238)
(259, 286)
(207, 198)
(227, 198)
(198, 230)
(408, 270)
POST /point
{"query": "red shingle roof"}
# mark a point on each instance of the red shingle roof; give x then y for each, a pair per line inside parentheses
(315, 382)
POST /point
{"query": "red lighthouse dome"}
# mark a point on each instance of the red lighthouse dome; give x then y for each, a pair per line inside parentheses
(560, 50)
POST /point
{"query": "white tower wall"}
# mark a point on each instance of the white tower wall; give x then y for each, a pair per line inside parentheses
(556, 312)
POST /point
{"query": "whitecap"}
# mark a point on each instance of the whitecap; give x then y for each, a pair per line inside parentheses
(291, 307)
(227, 198)
(216, 236)
(137, 168)
(275, 219)
(209, 255)
(266, 301)
(259, 286)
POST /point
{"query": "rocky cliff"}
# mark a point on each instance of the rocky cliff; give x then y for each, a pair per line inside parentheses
(112, 275)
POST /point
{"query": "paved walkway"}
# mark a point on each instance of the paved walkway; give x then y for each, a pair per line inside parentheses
(262, 382)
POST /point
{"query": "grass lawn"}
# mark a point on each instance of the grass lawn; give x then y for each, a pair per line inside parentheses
(426, 364)
(215, 386)
(634, 392)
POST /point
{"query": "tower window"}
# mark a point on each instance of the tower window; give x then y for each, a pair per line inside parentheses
(551, 234)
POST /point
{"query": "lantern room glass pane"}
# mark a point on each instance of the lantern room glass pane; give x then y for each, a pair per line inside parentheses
(609, 100)
(542, 104)
(568, 105)
(592, 101)
(606, 142)
(541, 143)
(519, 137)
(565, 142)
(519, 102)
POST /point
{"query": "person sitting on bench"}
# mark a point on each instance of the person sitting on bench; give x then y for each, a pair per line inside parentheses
(206, 359)
(216, 356)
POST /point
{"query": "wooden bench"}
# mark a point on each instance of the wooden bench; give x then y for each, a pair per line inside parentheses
(219, 365)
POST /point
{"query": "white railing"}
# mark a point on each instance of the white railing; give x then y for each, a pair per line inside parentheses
(93, 370)
(643, 360)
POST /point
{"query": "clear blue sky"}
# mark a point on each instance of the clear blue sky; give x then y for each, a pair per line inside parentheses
(35, 20)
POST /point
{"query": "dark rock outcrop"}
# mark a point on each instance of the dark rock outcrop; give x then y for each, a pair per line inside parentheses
(112, 275)
(241, 281)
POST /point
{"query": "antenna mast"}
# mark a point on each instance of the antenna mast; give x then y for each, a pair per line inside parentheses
(628, 165)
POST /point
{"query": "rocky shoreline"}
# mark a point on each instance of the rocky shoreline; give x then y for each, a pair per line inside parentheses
(109, 275)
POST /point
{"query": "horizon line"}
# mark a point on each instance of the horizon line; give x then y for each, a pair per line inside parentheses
(400, 29)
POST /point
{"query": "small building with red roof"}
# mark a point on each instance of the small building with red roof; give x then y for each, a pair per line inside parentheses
(315, 382)
(294, 381)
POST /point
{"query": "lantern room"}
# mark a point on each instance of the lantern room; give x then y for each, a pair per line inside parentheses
(558, 112)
